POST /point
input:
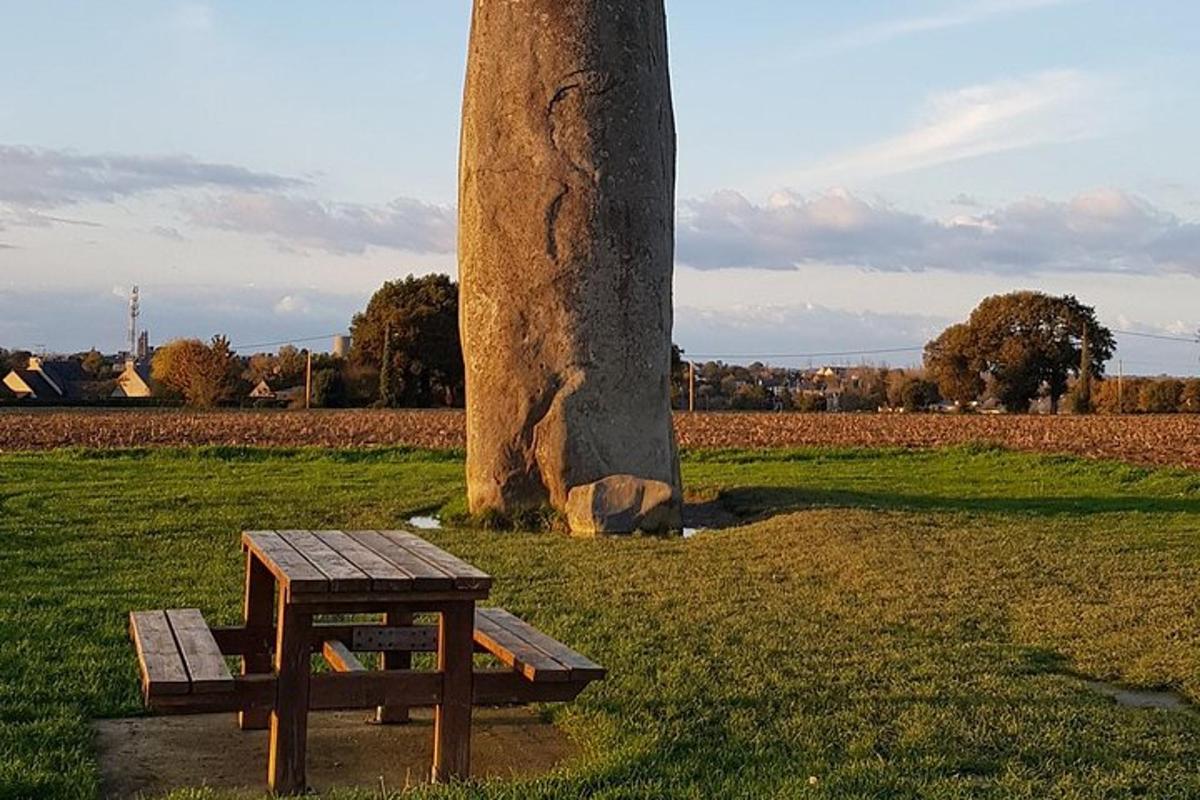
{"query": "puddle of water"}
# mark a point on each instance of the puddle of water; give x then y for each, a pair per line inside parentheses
(1140, 698)
(425, 523)
(688, 533)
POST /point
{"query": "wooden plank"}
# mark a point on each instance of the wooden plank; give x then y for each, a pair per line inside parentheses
(452, 716)
(426, 577)
(339, 657)
(287, 745)
(288, 566)
(393, 639)
(163, 670)
(417, 602)
(465, 575)
(258, 608)
(343, 576)
(385, 576)
(353, 690)
(395, 658)
(516, 652)
(582, 668)
(205, 665)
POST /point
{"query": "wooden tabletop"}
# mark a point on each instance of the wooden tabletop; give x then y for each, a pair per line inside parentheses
(361, 562)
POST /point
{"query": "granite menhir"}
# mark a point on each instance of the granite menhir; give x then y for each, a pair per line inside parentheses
(566, 245)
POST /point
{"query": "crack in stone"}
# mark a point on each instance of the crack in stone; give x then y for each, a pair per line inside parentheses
(552, 213)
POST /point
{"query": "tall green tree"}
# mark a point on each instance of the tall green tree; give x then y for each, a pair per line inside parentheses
(424, 354)
(387, 372)
(1024, 341)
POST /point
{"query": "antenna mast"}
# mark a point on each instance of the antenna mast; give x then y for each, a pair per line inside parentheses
(134, 312)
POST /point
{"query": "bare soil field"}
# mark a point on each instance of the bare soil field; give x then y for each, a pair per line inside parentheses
(1170, 440)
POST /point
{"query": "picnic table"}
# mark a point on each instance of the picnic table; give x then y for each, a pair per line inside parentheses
(294, 577)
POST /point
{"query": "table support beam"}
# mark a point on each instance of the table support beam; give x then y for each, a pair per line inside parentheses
(289, 718)
(258, 606)
(452, 717)
(392, 660)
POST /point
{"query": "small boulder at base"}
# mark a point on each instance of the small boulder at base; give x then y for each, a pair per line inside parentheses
(623, 504)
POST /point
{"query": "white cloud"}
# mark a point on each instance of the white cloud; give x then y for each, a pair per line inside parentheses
(1101, 231)
(35, 178)
(951, 17)
(292, 304)
(1049, 107)
(404, 224)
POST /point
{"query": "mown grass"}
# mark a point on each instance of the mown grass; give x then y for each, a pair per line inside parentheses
(895, 624)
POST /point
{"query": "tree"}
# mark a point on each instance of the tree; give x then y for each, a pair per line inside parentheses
(387, 372)
(425, 356)
(93, 363)
(1022, 341)
(1160, 396)
(1081, 396)
(1190, 400)
(201, 374)
(953, 363)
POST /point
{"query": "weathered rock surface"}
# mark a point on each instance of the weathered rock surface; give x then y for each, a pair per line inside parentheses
(566, 240)
(623, 504)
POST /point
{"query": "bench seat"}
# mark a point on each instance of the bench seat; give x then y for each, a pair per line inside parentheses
(178, 654)
(529, 652)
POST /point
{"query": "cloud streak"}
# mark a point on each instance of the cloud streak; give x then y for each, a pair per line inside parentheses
(35, 178)
(1048, 107)
(1106, 230)
(344, 228)
(952, 17)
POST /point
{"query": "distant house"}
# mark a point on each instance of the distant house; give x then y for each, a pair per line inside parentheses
(47, 380)
(134, 380)
(262, 391)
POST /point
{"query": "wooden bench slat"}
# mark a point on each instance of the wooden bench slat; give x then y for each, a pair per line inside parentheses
(580, 666)
(163, 670)
(465, 575)
(426, 577)
(206, 667)
(514, 651)
(385, 576)
(287, 565)
(343, 576)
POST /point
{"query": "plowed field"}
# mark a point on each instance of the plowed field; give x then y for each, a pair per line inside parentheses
(1165, 440)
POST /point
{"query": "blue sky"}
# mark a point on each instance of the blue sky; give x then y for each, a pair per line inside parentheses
(851, 175)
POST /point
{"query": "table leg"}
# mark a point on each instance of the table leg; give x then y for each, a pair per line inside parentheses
(289, 718)
(259, 607)
(394, 715)
(452, 719)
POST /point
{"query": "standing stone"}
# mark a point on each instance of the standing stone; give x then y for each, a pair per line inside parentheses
(566, 248)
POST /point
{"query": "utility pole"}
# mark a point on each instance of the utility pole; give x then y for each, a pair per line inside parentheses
(308, 382)
(691, 386)
(1120, 386)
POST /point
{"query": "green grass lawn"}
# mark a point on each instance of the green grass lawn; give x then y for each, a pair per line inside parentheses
(894, 624)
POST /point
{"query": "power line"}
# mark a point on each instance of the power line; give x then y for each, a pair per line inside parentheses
(836, 354)
(285, 341)
(1159, 336)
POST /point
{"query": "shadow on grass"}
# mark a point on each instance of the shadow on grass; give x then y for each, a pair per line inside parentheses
(757, 502)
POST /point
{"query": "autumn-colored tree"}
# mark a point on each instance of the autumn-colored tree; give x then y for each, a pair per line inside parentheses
(201, 374)
(1160, 396)
(1023, 341)
(425, 354)
(954, 365)
(1190, 400)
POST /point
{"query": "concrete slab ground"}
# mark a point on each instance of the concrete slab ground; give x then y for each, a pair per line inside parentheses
(145, 757)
